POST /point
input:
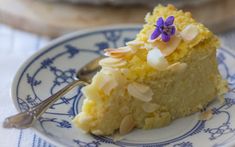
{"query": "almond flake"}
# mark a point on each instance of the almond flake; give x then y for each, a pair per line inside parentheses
(148, 46)
(127, 124)
(109, 86)
(124, 70)
(206, 115)
(118, 53)
(117, 137)
(153, 40)
(189, 32)
(221, 99)
(112, 62)
(150, 107)
(156, 59)
(168, 47)
(106, 83)
(147, 17)
(136, 43)
(140, 91)
(108, 70)
(200, 106)
(84, 117)
(178, 67)
(102, 81)
(97, 132)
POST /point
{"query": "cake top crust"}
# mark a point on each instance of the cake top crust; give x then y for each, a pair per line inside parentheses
(188, 32)
(168, 36)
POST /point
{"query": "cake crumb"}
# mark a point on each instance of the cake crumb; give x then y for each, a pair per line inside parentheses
(117, 137)
(221, 99)
(206, 115)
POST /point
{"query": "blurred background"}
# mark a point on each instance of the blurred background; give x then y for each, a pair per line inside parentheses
(56, 17)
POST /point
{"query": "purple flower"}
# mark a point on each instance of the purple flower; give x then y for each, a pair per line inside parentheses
(164, 28)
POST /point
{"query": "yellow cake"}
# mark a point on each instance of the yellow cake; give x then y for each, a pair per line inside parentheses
(169, 71)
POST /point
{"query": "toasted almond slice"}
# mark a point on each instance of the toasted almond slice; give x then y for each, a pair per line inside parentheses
(97, 132)
(83, 117)
(141, 87)
(106, 83)
(109, 86)
(148, 46)
(103, 80)
(200, 106)
(140, 91)
(127, 124)
(221, 99)
(178, 67)
(156, 59)
(112, 62)
(150, 107)
(118, 53)
(189, 32)
(206, 115)
(147, 17)
(168, 47)
(135, 43)
(117, 137)
(108, 70)
(124, 70)
(153, 40)
(90, 91)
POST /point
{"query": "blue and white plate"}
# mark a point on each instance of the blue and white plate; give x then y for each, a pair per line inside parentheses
(55, 66)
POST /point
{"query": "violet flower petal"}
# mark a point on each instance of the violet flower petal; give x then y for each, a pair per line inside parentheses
(155, 34)
(173, 30)
(169, 21)
(160, 22)
(165, 37)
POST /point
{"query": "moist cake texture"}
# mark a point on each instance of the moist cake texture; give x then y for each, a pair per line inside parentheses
(169, 71)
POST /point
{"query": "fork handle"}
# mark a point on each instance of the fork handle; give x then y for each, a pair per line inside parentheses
(27, 119)
(45, 104)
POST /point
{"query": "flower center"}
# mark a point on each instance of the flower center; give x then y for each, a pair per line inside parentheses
(167, 30)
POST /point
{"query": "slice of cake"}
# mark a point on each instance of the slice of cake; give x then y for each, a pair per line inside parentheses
(169, 71)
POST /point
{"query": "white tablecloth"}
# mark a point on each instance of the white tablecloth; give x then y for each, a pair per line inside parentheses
(15, 47)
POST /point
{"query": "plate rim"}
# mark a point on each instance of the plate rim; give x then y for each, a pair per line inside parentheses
(56, 41)
(48, 45)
